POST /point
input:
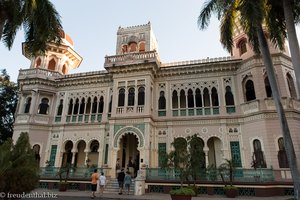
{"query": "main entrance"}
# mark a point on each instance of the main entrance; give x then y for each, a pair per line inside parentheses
(128, 156)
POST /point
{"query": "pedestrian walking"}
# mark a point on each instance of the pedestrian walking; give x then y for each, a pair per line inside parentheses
(121, 176)
(102, 183)
(94, 177)
(127, 181)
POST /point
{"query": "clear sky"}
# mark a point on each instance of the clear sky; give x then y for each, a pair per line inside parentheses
(93, 24)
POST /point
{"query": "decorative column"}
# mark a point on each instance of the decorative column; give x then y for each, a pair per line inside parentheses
(86, 162)
(73, 157)
(205, 149)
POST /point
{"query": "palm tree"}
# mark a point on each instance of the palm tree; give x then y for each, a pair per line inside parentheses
(251, 15)
(289, 7)
(40, 21)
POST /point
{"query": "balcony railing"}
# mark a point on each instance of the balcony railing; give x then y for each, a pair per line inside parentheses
(196, 111)
(38, 73)
(242, 175)
(124, 59)
(97, 117)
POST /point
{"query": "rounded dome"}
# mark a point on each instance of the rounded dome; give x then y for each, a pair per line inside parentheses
(66, 37)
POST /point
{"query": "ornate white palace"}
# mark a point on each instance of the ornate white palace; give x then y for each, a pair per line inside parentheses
(137, 106)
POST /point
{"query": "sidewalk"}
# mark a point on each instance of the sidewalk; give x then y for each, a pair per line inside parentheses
(151, 196)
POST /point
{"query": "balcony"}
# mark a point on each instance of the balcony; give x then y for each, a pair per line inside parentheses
(250, 107)
(38, 73)
(131, 58)
(215, 110)
(84, 118)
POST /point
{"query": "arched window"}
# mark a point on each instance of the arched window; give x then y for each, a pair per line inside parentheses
(94, 146)
(131, 94)
(121, 101)
(141, 96)
(174, 99)
(101, 105)
(60, 108)
(88, 106)
(70, 110)
(38, 63)
(64, 69)
(142, 47)
(162, 101)
(214, 97)
(27, 105)
(190, 98)
(110, 104)
(250, 91)
(124, 49)
(132, 47)
(76, 107)
(82, 105)
(198, 98)
(242, 46)
(36, 150)
(206, 97)
(282, 158)
(94, 106)
(43, 107)
(291, 86)
(182, 99)
(268, 87)
(229, 100)
(258, 155)
(52, 64)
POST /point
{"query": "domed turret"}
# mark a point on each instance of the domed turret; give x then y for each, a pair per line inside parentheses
(60, 58)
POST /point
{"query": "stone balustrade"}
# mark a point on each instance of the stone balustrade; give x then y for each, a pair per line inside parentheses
(38, 73)
(124, 59)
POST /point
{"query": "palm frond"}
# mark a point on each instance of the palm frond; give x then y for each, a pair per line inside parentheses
(276, 24)
(205, 14)
(226, 27)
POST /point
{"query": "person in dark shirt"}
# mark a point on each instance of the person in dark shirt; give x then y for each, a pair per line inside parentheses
(121, 176)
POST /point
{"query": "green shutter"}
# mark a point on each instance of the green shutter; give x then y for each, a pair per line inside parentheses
(53, 155)
(162, 150)
(236, 154)
(106, 154)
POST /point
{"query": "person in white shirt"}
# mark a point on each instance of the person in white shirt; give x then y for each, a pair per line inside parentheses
(102, 182)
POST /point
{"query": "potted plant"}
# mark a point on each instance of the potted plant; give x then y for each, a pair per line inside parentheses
(179, 161)
(226, 170)
(63, 174)
(183, 193)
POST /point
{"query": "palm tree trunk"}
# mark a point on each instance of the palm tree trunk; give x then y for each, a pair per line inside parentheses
(282, 118)
(293, 40)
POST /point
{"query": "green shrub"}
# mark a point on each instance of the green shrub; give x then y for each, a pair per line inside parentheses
(183, 191)
(230, 187)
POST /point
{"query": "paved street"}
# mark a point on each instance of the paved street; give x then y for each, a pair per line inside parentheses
(68, 195)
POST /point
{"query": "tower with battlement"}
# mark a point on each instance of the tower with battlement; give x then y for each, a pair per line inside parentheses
(136, 39)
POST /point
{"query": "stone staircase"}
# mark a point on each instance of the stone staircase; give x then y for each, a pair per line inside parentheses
(112, 186)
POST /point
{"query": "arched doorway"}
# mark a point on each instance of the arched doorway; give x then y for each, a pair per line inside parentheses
(128, 154)
(67, 156)
(215, 151)
(36, 149)
(94, 153)
(80, 156)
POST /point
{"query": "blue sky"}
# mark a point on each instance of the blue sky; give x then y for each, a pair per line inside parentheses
(93, 24)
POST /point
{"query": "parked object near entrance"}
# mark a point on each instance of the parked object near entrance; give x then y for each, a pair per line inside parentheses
(63, 174)
(182, 193)
(227, 170)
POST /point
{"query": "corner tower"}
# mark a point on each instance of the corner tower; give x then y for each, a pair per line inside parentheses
(58, 58)
(136, 39)
(242, 48)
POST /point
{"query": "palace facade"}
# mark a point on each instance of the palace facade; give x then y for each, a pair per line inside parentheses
(135, 108)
